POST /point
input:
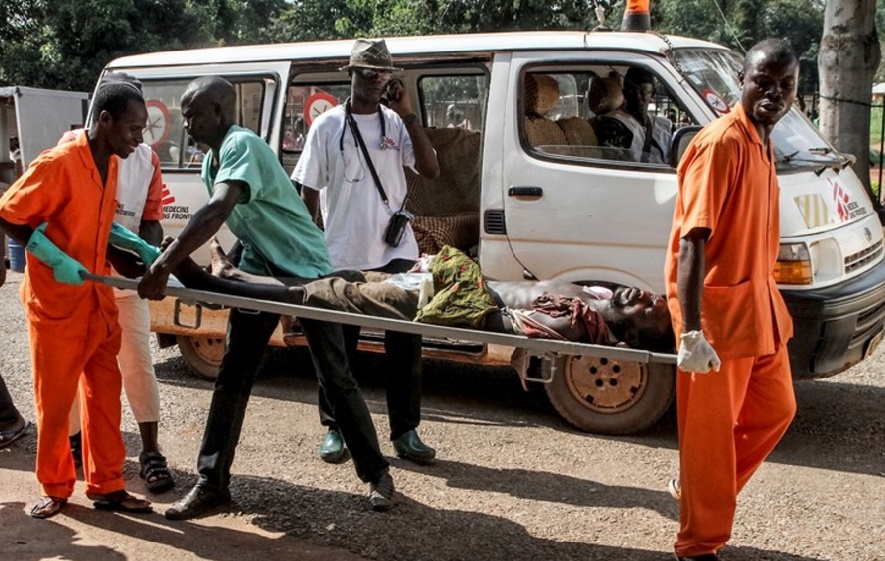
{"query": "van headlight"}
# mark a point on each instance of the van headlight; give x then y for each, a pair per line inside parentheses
(793, 265)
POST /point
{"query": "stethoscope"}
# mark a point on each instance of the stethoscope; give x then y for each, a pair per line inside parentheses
(354, 128)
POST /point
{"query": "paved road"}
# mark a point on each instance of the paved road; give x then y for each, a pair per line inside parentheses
(513, 482)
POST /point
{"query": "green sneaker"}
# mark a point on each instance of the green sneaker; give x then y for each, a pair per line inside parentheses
(333, 450)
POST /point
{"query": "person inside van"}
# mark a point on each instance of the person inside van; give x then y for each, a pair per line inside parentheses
(631, 127)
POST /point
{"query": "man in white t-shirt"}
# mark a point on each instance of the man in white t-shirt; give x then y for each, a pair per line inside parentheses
(346, 149)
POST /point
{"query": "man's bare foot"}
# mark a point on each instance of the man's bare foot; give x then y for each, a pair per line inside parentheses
(219, 264)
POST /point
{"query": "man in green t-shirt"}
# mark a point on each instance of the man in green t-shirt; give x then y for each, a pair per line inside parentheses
(251, 192)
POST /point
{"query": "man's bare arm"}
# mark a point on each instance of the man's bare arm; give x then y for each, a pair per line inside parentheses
(311, 198)
(19, 232)
(199, 230)
(151, 231)
(425, 157)
(690, 277)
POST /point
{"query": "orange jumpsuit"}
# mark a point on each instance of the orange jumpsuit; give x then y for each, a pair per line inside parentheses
(729, 421)
(72, 329)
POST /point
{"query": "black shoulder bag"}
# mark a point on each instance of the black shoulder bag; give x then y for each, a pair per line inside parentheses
(396, 227)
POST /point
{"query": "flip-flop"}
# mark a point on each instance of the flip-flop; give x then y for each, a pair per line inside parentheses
(120, 503)
(9, 436)
(47, 507)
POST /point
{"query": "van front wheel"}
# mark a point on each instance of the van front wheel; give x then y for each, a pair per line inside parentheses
(606, 396)
(202, 354)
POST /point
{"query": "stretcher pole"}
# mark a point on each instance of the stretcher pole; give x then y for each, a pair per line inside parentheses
(539, 346)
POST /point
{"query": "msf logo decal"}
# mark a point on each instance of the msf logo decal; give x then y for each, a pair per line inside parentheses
(171, 211)
(820, 209)
(845, 207)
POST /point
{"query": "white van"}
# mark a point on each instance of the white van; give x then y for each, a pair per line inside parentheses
(530, 188)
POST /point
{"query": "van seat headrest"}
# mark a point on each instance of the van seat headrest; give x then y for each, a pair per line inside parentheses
(605, 93)
(541, 94)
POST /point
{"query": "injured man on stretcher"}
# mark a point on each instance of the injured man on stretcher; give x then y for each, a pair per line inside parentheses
(448, 289)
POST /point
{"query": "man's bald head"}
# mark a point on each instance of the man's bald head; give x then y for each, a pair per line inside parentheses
(769, 82)
(774, 50)
(208, 107)
(212, 89)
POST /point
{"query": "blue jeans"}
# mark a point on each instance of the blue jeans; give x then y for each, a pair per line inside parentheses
(247, 336)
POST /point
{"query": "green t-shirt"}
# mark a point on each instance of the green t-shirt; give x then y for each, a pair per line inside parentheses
(274, 226)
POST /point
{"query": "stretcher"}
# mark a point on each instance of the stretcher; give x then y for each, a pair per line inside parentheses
(536, 346)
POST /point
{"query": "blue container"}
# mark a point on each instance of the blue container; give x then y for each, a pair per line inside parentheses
(16, 256)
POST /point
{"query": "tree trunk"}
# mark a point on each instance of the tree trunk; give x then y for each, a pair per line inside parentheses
(849, 57)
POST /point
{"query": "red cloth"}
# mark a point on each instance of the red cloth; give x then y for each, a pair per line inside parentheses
(555, 305)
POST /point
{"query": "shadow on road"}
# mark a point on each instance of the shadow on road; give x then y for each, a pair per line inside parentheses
(27, 539)
(839, 426)
(548, 487)
(405, 533)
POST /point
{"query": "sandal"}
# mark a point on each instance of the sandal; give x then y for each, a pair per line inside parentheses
(120, 501)
(47, 507)
(155, 472)
(13, 433)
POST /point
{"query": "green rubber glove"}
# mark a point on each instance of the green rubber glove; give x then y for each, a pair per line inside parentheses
(121, 237)
(65, 269)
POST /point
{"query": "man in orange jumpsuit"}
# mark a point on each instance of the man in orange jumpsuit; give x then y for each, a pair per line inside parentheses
(722, 296)
(62, 210)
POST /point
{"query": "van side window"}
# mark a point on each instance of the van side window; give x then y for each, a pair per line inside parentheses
(165, 131)
(304, 102)
(599, 113)
(453, 101)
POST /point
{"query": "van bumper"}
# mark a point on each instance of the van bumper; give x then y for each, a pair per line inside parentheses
(838, 326)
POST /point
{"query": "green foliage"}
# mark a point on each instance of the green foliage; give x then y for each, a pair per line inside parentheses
(65, 43)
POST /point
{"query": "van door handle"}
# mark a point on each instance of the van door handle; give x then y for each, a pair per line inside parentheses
(535, 192)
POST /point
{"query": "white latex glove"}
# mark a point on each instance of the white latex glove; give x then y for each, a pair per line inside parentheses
(696, 354)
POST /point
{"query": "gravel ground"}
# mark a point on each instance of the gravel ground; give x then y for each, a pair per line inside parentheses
(514, 482)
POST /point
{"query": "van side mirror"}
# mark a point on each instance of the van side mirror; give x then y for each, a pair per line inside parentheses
(681, 139)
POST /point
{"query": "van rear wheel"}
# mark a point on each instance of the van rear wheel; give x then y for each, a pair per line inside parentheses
(606, 396)
(202, 354)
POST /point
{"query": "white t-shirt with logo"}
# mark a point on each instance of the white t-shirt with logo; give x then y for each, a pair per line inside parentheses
(354, 216)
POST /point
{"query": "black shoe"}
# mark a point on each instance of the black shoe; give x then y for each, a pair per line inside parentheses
(332, 450)
(198, 501)
(77, 449)
(381, 493)
(704, 557)
(410, 447)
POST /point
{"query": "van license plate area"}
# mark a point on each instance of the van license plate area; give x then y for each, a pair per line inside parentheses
(874, 342)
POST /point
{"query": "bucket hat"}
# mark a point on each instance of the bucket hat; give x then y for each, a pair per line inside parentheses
(368, 53)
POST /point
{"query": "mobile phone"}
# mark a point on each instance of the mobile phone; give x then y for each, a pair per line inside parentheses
(392, 94)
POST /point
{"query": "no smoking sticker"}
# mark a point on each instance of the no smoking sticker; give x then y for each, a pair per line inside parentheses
(716, 102)
(316, 105)
(156, 132)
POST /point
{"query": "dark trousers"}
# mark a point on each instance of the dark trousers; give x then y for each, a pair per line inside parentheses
(403, 353)
(247, 337)
(8, 411)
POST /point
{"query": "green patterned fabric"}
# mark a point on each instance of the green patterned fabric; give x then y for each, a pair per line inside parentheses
(461, 299)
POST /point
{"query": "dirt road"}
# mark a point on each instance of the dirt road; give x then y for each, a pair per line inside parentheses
(514, 482)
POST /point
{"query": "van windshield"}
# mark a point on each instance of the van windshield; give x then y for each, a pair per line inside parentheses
(714, 74)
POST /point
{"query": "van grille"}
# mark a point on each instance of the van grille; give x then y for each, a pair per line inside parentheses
(494, 222)
(869, 322)
(863, 257)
